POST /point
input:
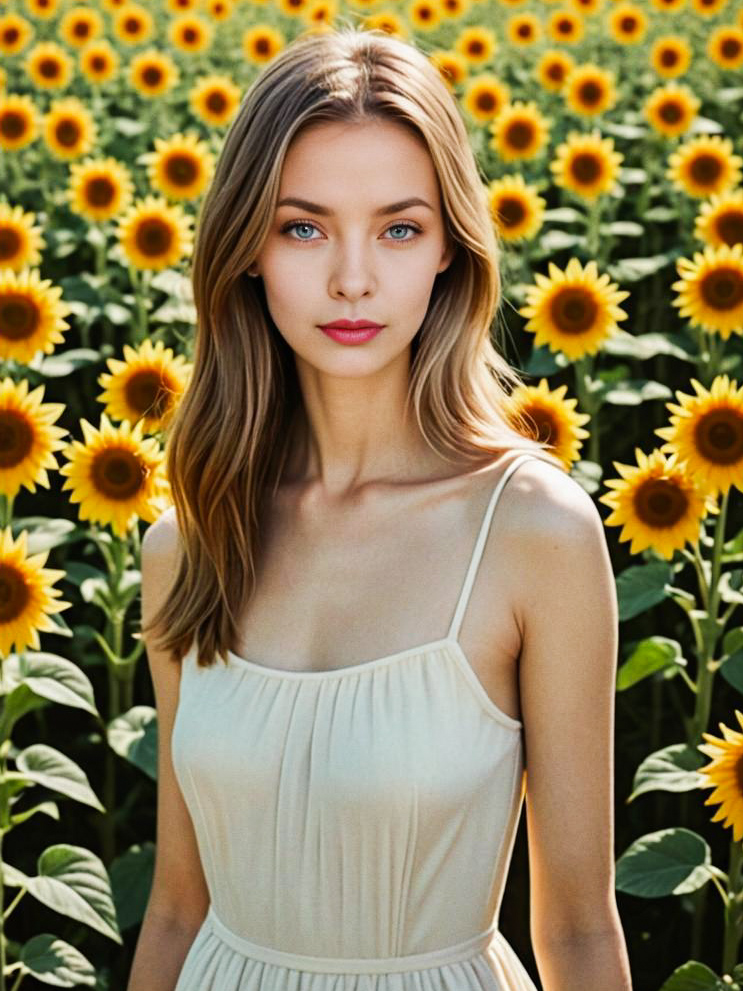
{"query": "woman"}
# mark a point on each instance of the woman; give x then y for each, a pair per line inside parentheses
(359, 651)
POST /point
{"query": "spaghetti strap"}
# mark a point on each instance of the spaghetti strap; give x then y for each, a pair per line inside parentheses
(482, 536)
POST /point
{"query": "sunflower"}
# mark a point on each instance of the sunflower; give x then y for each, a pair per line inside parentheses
(49, 66)
(43, 9)
(566, 26)
(32, 316)
(19, 121)
(553, 68)
(98, 61)
(723, 774)
(725, 46)
(3, 78)
(523, 30)
(132, 23)
(146, 386)
(587, 6)
(190, 33)
(113, 5)
(181, 6)
(671, 109)
(484, 97)
(154, 234)
(668, 5)
(181, 166)
(261, 43)
(152, 73)
(517, 209)
(476, 44)
(214, 99)
(706, 433)
(627, 23)
(711, 289)
(116, 475)
(15, 33)
(28, 595)
(99, 189)
(720, 219)
(29, 437)
(385, 20)
(590, 90)
(587, 164)
(657, 504)
(20, 240)
(452, 66)
(708, 8)
(670, 56)
(519, 131)
(424, 15)
(219, 10)
(455, 9)
(550, 418)
(323, 12)
(69, 129)
(573, 311)
(79, 25)
(705, 165)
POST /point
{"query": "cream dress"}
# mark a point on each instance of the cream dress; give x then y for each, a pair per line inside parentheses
(355, 826)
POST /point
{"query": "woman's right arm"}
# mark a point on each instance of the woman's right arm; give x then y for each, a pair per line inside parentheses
(179, 898)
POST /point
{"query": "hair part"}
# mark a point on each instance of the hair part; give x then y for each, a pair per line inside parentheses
(230, 437)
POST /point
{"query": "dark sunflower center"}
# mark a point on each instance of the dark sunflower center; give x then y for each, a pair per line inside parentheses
(153, 237)
(99, 191)
(519, 134)
(590, 93)
(730, 226)
(670, 112)
(117, 473)
(485, 101)
(145, 393)
(67, 133)
(16, 438)
(10, 243)
(511, 211)
(585, 167)
(216, 102)
(705, 169)
(573, 310)
(19, 318)
(12, 125)
(722, 288)
(49, 68)
(152, 75)
(719, 436)
(182, 170)
(659, 503)
(14, 594)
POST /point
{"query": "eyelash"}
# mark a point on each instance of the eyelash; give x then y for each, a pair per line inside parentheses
(308, 223)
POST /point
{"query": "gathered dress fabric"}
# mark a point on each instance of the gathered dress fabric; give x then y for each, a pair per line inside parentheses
(355, 825)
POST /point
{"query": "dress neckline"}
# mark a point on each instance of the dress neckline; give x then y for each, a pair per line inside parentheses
(348, 670)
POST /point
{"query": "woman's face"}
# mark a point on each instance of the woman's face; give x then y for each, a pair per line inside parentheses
(339, 256)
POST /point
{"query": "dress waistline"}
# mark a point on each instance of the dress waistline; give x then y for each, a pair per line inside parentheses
(352, 965)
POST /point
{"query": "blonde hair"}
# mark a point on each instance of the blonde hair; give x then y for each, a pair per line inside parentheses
(231, 434)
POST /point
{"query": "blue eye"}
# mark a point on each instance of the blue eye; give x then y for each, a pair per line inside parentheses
(306, 223)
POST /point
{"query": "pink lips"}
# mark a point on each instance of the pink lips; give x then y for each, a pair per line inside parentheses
(351, 332)
(350, 325)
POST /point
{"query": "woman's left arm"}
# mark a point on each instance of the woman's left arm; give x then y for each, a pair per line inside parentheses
(567, 677)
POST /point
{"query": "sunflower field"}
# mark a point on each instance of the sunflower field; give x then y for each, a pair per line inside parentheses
(611, 136)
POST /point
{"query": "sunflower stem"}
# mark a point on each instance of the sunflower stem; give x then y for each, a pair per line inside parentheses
(733, 913)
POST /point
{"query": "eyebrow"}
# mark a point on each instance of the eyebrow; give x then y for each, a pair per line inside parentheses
(323, 211)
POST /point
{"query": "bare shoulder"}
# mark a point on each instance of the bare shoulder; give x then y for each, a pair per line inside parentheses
(554, 527)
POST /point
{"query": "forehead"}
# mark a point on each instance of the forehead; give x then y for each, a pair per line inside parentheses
(377, 162)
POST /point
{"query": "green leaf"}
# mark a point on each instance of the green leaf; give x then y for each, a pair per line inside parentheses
(694, 976)
(133, 736)
(53, 961)
(630, 132)
(642, 586)
(622, 228)
(631, 177)
(52, 769)
(73, 881)
(556, 240)
(671, 861)
(67, 362)
(732, 669)
(544, 361)
(660, 214)
(49, 677)
(632, 392)
(643, 346)
(131, 880)
(650, 655)
(635, 269)
(564, 215)
(44, 533)
(674, 768)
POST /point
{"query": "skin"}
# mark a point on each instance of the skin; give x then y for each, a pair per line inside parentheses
(356, 265)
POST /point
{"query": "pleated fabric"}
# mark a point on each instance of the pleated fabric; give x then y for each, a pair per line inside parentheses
(355, 826)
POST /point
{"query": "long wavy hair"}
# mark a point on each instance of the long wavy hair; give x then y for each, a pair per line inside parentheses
(231, 434)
